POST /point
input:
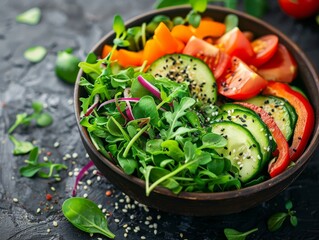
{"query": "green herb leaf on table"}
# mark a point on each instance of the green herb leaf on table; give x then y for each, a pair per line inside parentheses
(233, 234)
(86, 216)
(33, 167)
(276, 220)
(293, 221)
(35, 54)
(66, 66)
(31, 16)
(44, 120)
(20, 147)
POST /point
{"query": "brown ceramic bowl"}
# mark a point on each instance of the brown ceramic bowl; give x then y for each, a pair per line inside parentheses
(208, 204)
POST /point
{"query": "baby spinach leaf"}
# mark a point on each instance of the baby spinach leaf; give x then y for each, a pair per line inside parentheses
(67, 66)
(20, 147)
(233, 234)
(86, 216)
(31, 16)
(127, 163)
(35, 54)
(276, 220)
(146, 108)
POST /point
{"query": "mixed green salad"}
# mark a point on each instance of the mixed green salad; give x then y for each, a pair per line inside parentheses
(195, 109)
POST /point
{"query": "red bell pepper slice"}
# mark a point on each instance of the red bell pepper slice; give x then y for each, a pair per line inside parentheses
(282, 162)
(305, 122)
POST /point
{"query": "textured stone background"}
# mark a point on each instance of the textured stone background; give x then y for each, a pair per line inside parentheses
(80, 24)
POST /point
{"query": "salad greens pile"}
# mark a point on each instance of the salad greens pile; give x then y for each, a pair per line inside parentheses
(163, 138)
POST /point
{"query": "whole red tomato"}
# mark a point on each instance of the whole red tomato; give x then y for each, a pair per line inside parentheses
(299, 8)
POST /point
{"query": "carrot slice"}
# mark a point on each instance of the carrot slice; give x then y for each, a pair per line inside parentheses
(106, 50)
(209, 28)
(164, 38)
(128, 58)
(180, 46)
(182, 32)
(152, 51)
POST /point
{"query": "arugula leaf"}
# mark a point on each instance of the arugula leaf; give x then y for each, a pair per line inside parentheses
(31, 16)
(86, 216)
(233, 234)
(20, 147)
(173, 118)
(35, 54)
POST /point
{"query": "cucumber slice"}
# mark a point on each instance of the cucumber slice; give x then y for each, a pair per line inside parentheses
(242, 149)
(277, 109)
(255, 126)
(185, 68)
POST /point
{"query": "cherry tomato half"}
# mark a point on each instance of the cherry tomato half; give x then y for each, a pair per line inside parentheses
(264, 48)
(216, 59)
(282, 67)
(235, 43)
(241, 82)
(299, 8)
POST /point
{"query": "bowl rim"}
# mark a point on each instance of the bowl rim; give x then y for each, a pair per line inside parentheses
(302, 160)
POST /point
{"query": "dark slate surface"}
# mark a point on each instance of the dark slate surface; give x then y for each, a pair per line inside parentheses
(79, 25)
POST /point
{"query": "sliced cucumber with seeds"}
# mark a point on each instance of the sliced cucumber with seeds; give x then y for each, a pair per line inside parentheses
(255, 126)
(242, 148)
(276, 108)
(184, 68)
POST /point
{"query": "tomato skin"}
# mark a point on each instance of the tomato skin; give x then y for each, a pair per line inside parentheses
(216, 59)
(299, 8)
(282, 67)
(264, 47)
(235, 43)
(241, 82)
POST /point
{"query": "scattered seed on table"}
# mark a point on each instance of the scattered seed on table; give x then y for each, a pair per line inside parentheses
(48, 230)
(108, 193)
(56, 144)
(75, 155)
(89, 182)
(38, 210)
(55, 223)
(52, 189)
(70, 174)
(85, 195)
(15, 200)
(48, 197)
(99, 206)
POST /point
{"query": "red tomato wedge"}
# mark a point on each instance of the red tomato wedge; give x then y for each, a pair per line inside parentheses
(216, 59)
(282, 67)
(235, 43)
(264, 47)
(241, 82)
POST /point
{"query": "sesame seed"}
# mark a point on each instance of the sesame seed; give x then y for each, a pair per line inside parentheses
(116, 220)
(56, 144)
(100, 206)
(98, 178)
(48, 230)
(103, 210)
(15, 200)
(70, 101)
(74, 155)
(143, 237)
(70, 174)
(85, 195)
(89, 182)
(55, 223)
(38, 210)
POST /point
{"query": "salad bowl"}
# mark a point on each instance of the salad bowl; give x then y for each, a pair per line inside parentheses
(217, 203)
